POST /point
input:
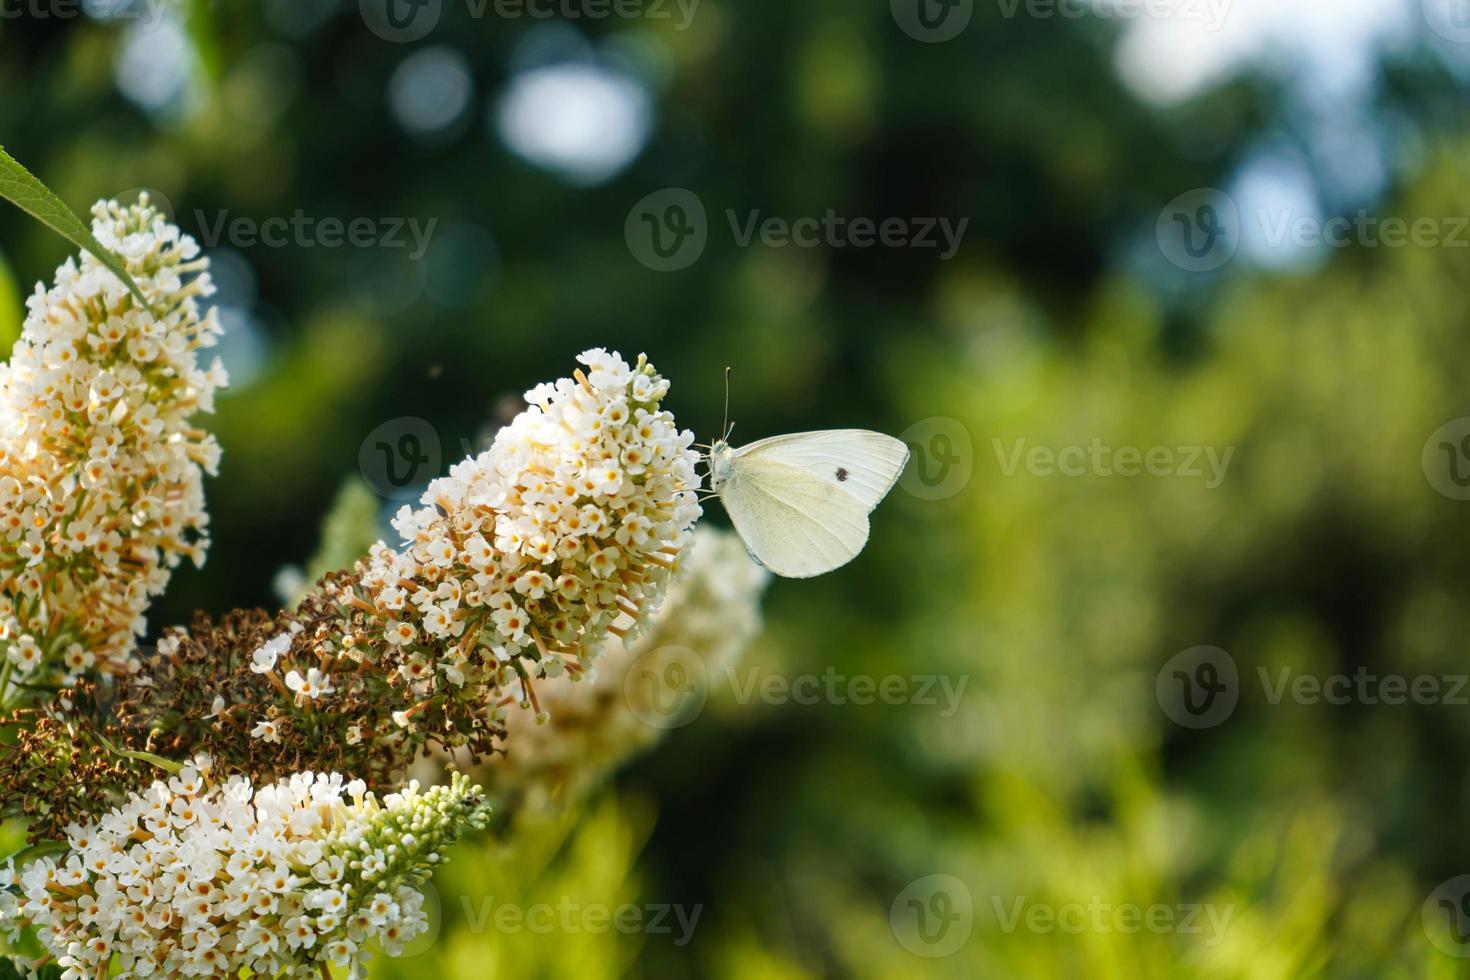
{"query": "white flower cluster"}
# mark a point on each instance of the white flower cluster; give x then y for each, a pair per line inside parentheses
(100, 471)
(711, 615)
(189, 879)
(571, 521)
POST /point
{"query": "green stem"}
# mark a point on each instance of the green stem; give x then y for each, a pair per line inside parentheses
(5, 672)
(39, 849)
(168, 766)
(44, 688)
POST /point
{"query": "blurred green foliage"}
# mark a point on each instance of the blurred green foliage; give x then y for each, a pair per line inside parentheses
(349, 530)
(1321, 829)
(504, 907)
(14, 312)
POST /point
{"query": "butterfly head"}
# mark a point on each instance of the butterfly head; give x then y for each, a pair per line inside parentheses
(720, 464)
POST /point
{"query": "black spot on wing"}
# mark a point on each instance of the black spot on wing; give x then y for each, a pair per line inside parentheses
(842, 474)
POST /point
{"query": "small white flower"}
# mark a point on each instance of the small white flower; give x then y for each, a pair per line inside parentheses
(400, 633)
(313, 684)
(99, 397)
(712, 608)
(567, 528)
(78, 659)
(263, 661)
(24, 654)
(340, 951)
(266, 731)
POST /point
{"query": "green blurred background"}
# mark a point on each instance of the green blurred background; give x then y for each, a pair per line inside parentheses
(1316, 833)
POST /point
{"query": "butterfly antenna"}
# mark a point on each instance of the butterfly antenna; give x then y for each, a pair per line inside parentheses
(725, 428)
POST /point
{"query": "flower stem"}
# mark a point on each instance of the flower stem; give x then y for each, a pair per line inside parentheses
(168, 766)
(39, 849)
(5, 685)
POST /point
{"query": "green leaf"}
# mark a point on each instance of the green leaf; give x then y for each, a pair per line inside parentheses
(167, 765)
(21, 188)
(40, 849)
(349, 531)
(10, 969)
(15, 968)
(12, 309)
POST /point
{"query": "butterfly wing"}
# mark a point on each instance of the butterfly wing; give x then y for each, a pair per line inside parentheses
(792, 522)
(863, 464)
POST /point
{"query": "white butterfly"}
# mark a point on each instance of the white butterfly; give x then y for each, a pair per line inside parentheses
(801, 502)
